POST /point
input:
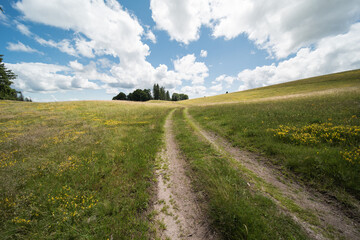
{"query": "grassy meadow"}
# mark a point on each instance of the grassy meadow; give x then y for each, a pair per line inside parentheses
(315, 137)
(77, 170)
(86, 170)
(344, 80)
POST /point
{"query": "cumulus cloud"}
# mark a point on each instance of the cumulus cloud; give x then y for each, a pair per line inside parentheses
(109, 28)
(41, 77)
(85, 48)
(151, 36)
(194, 91)
(104, 22)
(227, 80)
(332, 54)
(280, 26)
(105, 28)
(217, 87)
(203, 53)
(182, 19)
(189, 69)
(20, 47)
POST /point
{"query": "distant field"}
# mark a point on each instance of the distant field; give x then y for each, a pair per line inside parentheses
(343, 80)
(77, 170)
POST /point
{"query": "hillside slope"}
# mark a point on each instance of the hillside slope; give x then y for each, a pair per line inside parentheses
(342, 81)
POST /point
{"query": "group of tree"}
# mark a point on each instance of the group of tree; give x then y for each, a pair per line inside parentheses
(6, 77)
(159, 93)
(137, 95)
(179, 97)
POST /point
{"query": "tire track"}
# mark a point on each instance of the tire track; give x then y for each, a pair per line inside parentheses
(328, 216)
(179, 216)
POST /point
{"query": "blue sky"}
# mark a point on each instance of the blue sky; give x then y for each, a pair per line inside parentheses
(83, 50)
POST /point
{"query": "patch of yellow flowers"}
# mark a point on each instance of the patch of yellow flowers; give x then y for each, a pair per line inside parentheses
(352, 156)
(20, 220)
(317, 133)
(7, 159)
(67, 205)
(323, 133)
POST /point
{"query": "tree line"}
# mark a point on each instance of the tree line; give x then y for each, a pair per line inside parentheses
(6, 92)
(158, 93)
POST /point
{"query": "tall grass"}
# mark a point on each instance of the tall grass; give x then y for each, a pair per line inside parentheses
(316, 137)
(237, 211)
(77, 170)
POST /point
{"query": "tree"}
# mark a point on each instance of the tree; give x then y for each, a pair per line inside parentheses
(6, 92)
(147, 94)
(175, 97)
(162, 93)
(140, 95)
(167, 98)
(156, 91)
(183, 96)
(120, 96)
(179, 97)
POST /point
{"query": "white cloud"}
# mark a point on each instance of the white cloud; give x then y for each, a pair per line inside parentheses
(106, 23)
(112, 91)
(151, 36)
(332, 54)
(217, 87)
(20, 47)
(64, 45)
(203, 53)
(75, 65)
(228, 80)
(280, 26)
(182, 19)
(41, 77)
(104, 63)
(189, 69)
(4, 19)
(23, 29)
(85, 48)
(103, 28)
(194, 91)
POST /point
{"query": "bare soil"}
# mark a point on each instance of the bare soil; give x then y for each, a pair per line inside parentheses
(179, 214)
(333, 222)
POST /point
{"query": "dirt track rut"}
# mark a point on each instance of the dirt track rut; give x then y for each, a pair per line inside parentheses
(179, 216)
(327, 214)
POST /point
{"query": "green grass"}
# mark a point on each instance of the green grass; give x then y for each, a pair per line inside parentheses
(77, 170)
(237, 211)
(343, 80)
(315, 137)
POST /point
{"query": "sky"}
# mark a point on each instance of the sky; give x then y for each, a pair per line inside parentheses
(66, 50)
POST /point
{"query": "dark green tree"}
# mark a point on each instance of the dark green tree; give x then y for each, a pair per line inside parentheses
(140, 95)
(162, 93)
(175, 97)
(120, 96)
(179, 97)
(183, 96)
(156, 92)
(6, 75)
(167, 98)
